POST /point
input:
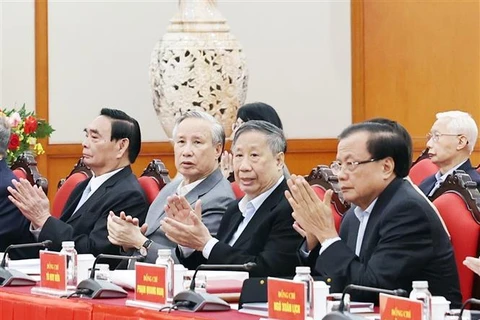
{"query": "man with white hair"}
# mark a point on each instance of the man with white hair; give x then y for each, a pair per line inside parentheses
(198, 142)
(450, 143)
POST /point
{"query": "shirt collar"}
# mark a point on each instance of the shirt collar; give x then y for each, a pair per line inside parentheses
(258, 200)
(96, 182)
(442, 178)
(361, 214)
(182, 189)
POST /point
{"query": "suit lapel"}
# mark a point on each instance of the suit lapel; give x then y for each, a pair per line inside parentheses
(260, 215)
(153, 219)
(352, 234)
(96, 197)
(204, 187)
(382, 202)
(156, 211)
(73, 200)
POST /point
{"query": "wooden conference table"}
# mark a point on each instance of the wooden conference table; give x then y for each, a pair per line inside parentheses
(17, 303)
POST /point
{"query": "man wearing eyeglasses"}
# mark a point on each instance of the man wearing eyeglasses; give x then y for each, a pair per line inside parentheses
(390, 237)
(450, 143)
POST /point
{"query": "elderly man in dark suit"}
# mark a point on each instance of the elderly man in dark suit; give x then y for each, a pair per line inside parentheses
(257, 228)
(391, 236)
(13, 225)
(450, 143)
(112, 142)
(198, 141)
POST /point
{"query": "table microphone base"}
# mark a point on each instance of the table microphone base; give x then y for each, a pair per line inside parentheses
(98, 289)
(13, 277)
(336, 315)
(199, 301)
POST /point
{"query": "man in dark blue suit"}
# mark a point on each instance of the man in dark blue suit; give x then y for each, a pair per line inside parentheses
(13, 225)
(450, 143)
(391, 236)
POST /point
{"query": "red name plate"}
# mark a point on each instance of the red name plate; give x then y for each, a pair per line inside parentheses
(150, 283)
(399, 308)
(53, 270)
(286, 299)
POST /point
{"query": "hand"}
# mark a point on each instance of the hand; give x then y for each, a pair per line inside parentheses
(314, 216)
(31, 201)
(124, 231)
(226, 163)
(195, 235)
(310, 238)
(473, 264)
(179, 209)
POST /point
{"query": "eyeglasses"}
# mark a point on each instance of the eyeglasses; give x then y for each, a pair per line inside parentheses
(348, 166)
(435, 136)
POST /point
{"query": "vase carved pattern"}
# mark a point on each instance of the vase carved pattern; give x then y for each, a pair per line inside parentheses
(198, 65)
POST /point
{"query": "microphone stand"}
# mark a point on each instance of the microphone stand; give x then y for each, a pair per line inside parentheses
(13, 277)
(94, 289)
(341, 315)
(193, 301)
(469, 301)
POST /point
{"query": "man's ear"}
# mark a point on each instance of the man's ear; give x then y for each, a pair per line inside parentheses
(462, 143)
(218, 150)
(280, 160)
(122, 145)
(388, 166)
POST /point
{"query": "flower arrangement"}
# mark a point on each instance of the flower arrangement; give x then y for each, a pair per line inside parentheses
(26, 129)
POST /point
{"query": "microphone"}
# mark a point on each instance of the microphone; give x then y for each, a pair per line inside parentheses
(190, 300)
(13, 277)
(95, 289)
(469, 301)
(341, 315)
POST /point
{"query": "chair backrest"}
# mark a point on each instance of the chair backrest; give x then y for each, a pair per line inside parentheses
(63, 193)
(236, 190)
(421, 170)
(79, 173)
(322, 179)
(26, 167)
(79, 167)
(457, 201)
(153, 179)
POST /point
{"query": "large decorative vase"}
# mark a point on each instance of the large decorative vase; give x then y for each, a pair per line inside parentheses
(198, 65)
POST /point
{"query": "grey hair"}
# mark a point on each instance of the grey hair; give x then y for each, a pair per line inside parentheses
(218, 134)
(4, 136)
(460, 122)
(275, 137)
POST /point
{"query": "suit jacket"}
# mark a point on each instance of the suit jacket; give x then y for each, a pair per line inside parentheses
(269, 239)
(215, 192)
(429, 182)
(88, 226)
(13, 225)
(404, 241)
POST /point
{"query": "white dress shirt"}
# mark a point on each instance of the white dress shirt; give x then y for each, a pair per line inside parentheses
(441, 177)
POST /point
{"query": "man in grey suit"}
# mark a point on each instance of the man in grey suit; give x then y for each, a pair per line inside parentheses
(198, 140)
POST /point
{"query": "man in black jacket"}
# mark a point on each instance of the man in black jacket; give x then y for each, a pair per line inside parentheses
(112, 143)
(391, 236)
(257, 228)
